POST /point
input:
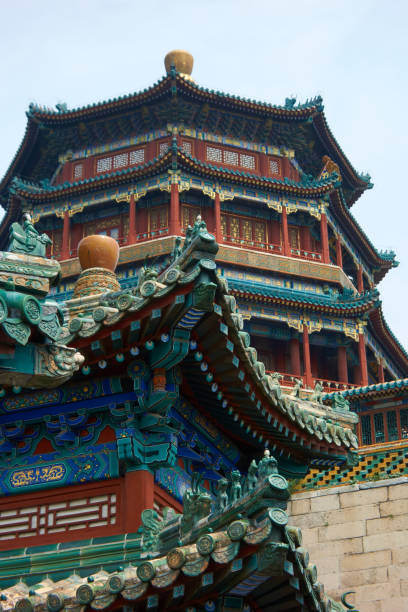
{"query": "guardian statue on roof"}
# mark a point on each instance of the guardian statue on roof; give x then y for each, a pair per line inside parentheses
(26, 239)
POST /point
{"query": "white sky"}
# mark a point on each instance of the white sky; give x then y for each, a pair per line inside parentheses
(353, 53)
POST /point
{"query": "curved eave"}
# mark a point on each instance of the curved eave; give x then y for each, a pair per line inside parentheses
(386, 336)
(386, 389)
(40, 118)
(22, 154)
(381, 266)
(49, 118)
(115, 178)
(291, 188)
(191, 89)
(221, 99)
(326, 137)
(306, 303)
(101, 109)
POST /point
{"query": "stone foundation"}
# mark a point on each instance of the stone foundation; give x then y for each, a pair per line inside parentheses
(358, 537)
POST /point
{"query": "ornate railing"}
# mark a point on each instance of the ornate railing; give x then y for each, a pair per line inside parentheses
(302, 254)
(329, 386)
(252, 244)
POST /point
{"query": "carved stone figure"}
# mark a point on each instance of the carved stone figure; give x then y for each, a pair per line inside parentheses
(267, 465)
(317, 392)
(339, 402)
(236, 489)
(62, 360)
(275, 387)
(196, 503)
(251, 479)
(221, 501)
(177, 249)
(26, 239)
(297, 387)
(188, 238)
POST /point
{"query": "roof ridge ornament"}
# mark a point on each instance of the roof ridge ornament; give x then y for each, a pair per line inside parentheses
(181, 61)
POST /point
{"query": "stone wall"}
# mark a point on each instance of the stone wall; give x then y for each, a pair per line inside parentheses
(357, 536)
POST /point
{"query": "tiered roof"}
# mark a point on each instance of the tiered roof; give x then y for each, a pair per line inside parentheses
(46, 127)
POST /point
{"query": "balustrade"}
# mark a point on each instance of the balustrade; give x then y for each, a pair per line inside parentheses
(329, 386)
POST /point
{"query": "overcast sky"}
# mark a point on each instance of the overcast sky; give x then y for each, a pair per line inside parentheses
(353, 53)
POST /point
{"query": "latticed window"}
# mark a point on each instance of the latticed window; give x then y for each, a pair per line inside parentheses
(158, 218)
(404, 422)
(78, 171)
(294, 239)
(136, 157)
(164, 147)
(366, 429)
(121, 160)
(379, 427)
(186, 147)
(234, 227)
(214, 154)
(273, 166)
(113, 232)
(104, 164)
(247, 161)
(244, 230)
(231, 158)
(223, 225)
(392, 425)
(384, 426)
(189, 215)
(260, 231)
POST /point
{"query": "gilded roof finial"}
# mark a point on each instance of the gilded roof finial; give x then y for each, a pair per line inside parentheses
(182, 61)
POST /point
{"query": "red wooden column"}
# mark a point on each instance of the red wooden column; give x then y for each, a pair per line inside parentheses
(362, 355)
(342, 371)
(324, 233)
(65, 254)
(285, 232)
(138, 495)
(217, 218)
(306, 358)
(380, 371)
(339, 253)
(132, 235)
(294, 348)
(360, 282)
(174, 221)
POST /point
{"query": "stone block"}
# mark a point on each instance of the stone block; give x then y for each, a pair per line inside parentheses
(397, 506)
(299, 506)
(398, 572)
(400, 556)
(364, 497)
(308, 521)
(388, 524)
(352, 514)
(342, 531)
(371, 606)
(395, 604)
(373, 592)
(361, 577)
(399, 491)
(325, 566)
(310, 536)
(404, 588)
(363, 561)
(383, 541)
(325, 502)
(322, 550)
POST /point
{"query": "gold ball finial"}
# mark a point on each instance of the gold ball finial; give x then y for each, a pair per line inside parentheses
(182, 60)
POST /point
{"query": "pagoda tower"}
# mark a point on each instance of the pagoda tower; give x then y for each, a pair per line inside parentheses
(189, 328)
